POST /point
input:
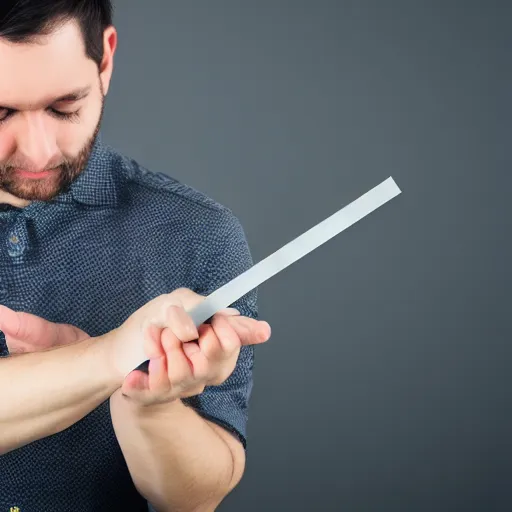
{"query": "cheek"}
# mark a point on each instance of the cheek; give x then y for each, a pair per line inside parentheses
(73, 135)
(70, 139)
(7, 145)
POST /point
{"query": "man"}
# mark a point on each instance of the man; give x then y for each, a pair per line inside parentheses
(93, 244)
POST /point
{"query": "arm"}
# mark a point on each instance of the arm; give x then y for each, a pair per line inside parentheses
(45, 392)
(178, 460)
(179, 455)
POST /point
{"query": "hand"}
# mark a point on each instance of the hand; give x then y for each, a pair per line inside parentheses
(183, 359)
(25, 332)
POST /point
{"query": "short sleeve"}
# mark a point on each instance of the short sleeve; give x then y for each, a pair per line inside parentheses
(227, 255)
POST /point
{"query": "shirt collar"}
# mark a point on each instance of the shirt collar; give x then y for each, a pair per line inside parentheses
(99, 182)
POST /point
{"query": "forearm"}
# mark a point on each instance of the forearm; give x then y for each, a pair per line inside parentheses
(45, 392)
(177, 460)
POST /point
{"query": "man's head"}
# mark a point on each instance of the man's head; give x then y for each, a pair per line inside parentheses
(56, 60)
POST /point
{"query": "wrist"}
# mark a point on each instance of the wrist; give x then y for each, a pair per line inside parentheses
(99, 351)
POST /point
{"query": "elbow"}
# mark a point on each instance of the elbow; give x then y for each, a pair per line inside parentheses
(204, 495)
(237, 469)
(233, 474)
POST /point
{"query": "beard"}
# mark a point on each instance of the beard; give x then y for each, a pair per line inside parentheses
(61, 178)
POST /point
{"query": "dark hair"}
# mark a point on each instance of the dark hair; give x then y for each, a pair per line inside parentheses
(25, 21)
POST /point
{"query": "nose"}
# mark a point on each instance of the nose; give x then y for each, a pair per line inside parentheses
(36, 142)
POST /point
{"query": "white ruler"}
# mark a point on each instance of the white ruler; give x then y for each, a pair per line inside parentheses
(230, 292)
(224, 296)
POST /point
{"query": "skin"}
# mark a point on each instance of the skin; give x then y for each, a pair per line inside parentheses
(32, 138)
(177, 459)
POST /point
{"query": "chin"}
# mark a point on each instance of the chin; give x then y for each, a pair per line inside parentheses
(42, 190)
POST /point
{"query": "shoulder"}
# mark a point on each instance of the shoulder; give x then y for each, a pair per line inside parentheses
(139, 180)
(182, 226)
(158, 203)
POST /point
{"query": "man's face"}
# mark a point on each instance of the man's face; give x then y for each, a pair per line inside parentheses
(46, 137)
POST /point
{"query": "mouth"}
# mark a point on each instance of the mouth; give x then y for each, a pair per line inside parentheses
(34, 175)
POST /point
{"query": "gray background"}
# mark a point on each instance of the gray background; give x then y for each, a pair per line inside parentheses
(386, 384)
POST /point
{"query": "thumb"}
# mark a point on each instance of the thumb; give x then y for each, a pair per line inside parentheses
(33, 329)
(10, 322)
(27, 327)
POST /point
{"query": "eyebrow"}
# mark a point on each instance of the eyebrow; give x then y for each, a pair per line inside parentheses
(74, 95)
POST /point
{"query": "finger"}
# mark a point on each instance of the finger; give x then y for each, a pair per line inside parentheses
(180, 322)
(265, 331)
(69, 334)
(191, 349)
(250, 331)
(200, 365)
(135, 385)
(228, 338)
(179, 370)
(229, 312)
(221, 361)
(152, 341)
(9, 321)
(209, 343)
(27, 327)
(158, 381)
(15, 347)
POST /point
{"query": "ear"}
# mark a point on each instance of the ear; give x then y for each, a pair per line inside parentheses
(107, 63)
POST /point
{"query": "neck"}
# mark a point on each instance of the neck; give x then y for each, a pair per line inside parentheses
(6, 198)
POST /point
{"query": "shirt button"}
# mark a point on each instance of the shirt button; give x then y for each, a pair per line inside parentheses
(14, 239)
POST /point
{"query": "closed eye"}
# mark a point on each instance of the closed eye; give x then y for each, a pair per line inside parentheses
(6, 113)
(67, 116)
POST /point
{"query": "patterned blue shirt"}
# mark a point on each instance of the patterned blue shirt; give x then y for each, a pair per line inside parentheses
(119, 237)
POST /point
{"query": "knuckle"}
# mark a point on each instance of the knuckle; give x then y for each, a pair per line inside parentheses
(167, 341)
(208, 331)
(232, 343)
(180, 294)
(169, 312)
(181, 323)
(189, 331)
(191, 328)
(181, 379)
(186, 296)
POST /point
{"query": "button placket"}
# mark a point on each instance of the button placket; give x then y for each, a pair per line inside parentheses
(17, 238)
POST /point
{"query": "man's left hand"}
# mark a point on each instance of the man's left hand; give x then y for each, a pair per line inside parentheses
(25, 332)
(178, 368)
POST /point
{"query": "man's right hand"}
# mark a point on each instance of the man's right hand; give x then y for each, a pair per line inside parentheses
(134, 341)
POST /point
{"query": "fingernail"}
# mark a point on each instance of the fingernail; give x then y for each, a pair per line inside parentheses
(269, 330)
(229, 311)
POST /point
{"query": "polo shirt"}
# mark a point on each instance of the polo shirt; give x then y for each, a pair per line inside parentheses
(120, 236)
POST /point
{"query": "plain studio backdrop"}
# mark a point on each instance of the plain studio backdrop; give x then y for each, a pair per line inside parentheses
(386, 383)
